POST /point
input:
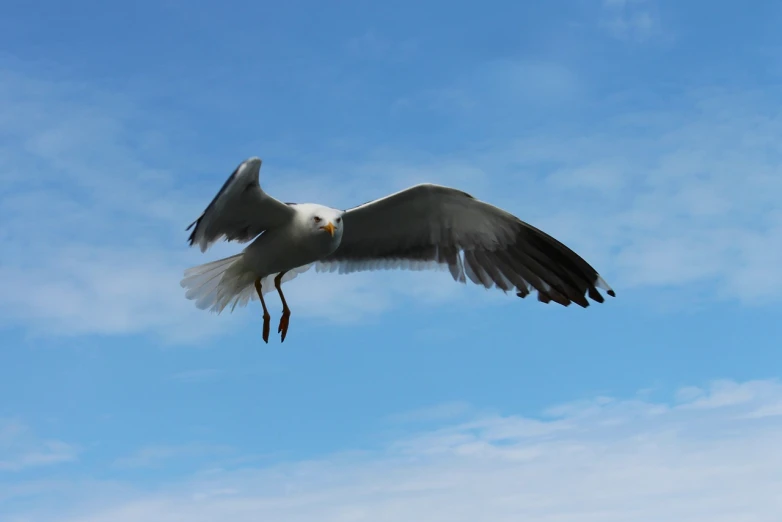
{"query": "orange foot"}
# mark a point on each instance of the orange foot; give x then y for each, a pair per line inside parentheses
(284, 320)
(266, 327)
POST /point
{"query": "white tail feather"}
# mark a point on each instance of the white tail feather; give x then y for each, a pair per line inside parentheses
(227, 281)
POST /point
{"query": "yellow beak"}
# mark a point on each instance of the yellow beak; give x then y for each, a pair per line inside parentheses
(330, 228)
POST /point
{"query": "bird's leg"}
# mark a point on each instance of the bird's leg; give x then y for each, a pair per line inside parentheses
(266, 316)
(286, 312)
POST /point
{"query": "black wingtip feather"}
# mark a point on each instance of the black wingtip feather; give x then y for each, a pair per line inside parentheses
(191, 239)
(544, 298)
(578, 275)
(595, 295)
(194, 223)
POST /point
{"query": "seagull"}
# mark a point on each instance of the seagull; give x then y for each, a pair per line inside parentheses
(421, 227)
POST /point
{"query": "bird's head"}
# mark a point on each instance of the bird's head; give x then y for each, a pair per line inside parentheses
(325, 220)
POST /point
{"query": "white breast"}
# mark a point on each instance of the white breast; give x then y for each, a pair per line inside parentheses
(289, 247)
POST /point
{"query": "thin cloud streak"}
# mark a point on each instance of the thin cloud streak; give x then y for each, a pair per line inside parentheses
(21, 449)
(154, 456)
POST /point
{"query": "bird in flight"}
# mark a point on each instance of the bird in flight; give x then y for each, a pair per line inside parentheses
(424, 226)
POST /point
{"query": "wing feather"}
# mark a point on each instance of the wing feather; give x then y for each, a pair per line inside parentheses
(431, 225)
(240, 211)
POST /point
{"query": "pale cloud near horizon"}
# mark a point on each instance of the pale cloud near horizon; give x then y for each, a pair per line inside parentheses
(705, 455)
(653, 199)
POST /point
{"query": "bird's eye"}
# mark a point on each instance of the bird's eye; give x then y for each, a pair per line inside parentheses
(317, 219)
(339, 220)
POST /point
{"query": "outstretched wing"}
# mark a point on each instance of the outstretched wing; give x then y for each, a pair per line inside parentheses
(240, 211)
(429, 225)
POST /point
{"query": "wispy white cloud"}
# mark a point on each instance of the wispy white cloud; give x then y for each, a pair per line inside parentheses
(754, 395)
(21, 449)
(633, 20)
(92, 290)
(199, 375)
(501, 88)
(608, 459)
(372, 45)
(87, 216)
(436, 413)
(152, 456)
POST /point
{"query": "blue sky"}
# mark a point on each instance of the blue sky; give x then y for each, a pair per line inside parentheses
(642, 133)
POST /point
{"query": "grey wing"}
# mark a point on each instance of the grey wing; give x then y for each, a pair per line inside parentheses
(240, 211)
(430, 225)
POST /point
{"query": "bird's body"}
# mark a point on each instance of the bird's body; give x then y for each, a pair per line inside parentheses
(419, 227)
(293, 244)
